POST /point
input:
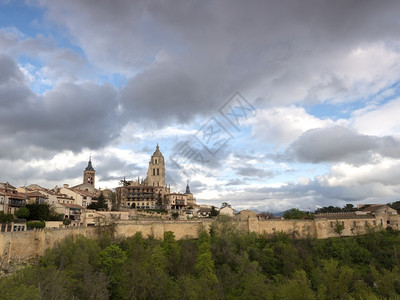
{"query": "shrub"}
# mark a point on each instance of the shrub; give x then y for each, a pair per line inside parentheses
(36, 224)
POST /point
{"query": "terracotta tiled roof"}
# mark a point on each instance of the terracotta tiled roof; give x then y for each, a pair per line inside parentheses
(15, 196)
(82, 192)
(374, 207)
(35, 194)
(76, 206)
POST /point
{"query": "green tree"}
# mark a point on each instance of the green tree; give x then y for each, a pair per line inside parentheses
(112, 260)
(13, 289)
(336, 282)
(204, 267)
(339, 227)
(22, 213)
(38, 212)
(297, 288)
(385, 282)
(214, 212)
(101, 203)
(294, 213)
(171, 251)
(66, 222)
(6, 218)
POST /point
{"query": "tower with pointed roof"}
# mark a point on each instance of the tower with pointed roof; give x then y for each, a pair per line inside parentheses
(187, 188)
(156, 171)
(89, 173)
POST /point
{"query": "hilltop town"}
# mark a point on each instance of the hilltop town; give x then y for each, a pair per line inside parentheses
(150, 198)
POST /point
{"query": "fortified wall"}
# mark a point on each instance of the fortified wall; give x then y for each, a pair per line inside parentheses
(20, 246)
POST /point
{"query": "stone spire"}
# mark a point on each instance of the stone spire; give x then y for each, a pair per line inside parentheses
(187, 188)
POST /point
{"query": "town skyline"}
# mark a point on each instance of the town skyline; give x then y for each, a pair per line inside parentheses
(263, 105)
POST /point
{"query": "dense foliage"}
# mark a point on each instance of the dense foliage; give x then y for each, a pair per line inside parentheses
(223, 263)
(336, 209)
(42, 212)
(22, 213)
(6, 218)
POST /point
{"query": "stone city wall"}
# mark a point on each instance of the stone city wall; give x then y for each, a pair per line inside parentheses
(24, 245)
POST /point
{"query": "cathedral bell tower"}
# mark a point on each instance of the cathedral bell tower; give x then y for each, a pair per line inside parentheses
(89, 173)
(156, 171)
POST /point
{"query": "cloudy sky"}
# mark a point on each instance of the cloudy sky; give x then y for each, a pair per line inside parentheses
(263, 104)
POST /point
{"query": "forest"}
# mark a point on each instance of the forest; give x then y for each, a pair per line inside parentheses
(223, 263)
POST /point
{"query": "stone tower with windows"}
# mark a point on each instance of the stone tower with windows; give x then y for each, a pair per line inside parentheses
(89, 173)
(156, 171)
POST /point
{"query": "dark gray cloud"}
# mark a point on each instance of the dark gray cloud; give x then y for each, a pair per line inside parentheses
(70, 117)
(249, 171)
(336, 144)
(189, 57)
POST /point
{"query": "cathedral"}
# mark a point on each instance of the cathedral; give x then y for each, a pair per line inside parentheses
(153, 192)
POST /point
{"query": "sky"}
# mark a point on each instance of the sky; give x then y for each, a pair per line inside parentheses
(266, 105)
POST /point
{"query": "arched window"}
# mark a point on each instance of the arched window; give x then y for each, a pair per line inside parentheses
(156, 161)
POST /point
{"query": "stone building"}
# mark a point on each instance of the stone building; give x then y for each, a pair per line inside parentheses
(153, 191)
(244, 215)
(80, 197)
(357, 222)
(176, 201)
(10, 199)
(147, 193)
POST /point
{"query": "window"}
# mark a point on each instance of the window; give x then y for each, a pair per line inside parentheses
(154, 172)
(158, 171)
(331, 224)
(156, 161)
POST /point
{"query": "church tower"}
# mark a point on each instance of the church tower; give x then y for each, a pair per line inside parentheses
(187, 188)
(156, 171)
(89, 173)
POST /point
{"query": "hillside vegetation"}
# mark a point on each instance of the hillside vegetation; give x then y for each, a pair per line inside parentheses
(223, 263)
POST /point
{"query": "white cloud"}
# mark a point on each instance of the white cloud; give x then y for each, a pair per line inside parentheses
(283, 125)
(378, 120)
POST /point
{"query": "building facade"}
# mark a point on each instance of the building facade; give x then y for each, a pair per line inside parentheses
(147, 193)
(153, 192)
